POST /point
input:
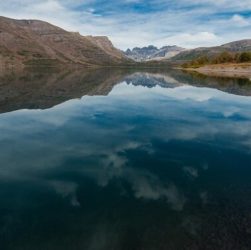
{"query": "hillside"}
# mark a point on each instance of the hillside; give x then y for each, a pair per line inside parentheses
(238, 46)
(152, 53)
(32, 42)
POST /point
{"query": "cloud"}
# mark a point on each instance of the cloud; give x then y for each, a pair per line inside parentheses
(191, 40)
(240, 20)
(47, 6)
(99, 147)
(188, 23)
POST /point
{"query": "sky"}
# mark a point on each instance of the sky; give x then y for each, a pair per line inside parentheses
(137, 23)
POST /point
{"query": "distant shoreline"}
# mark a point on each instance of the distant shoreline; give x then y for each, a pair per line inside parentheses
(242, 70)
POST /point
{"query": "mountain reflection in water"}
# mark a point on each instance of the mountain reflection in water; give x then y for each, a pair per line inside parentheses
(144, 160)
(45, 88)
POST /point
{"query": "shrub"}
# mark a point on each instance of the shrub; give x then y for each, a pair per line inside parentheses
(201, 61)
(224, 57)
(244, 57)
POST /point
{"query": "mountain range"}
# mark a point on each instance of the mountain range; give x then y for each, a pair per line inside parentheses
(32, 42)
(153, 53)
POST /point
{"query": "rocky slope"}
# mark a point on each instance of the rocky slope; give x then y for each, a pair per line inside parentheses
(153, 53)
(37, 42)
(237, 46)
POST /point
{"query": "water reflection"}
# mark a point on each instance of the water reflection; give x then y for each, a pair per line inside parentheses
(154, 163)
(45, 88)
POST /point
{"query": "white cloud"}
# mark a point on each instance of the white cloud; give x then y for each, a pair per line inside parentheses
(240, 20)
(191, 40)
(46, 6)
(188, 23)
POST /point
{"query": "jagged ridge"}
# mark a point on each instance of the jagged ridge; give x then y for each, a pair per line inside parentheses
(153, 53)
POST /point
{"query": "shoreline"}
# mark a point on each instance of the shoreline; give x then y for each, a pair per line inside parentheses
(241, 70)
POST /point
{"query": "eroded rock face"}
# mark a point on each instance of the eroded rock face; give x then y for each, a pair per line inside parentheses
(37, 42)
(104, 43)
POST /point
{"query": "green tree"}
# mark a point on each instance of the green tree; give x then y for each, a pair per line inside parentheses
(224, 57)
(245, 57)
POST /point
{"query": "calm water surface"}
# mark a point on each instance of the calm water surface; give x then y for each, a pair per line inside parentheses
(125, 161)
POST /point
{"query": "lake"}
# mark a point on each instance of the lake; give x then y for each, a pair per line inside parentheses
(118, 159)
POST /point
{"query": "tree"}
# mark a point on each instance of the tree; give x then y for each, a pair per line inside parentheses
(245, 57)
(224, 57)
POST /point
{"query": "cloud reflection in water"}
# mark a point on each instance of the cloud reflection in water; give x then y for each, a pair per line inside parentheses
(175, 148)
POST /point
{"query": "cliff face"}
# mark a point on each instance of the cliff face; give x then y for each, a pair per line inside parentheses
(105, 44)
(37, 42)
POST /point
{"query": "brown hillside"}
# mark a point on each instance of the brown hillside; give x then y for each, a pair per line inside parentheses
(38, 42)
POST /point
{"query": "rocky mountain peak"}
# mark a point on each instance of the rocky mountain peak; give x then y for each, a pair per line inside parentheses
(151, 52)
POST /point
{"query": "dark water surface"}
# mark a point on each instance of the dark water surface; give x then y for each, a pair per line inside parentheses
(107, 160)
